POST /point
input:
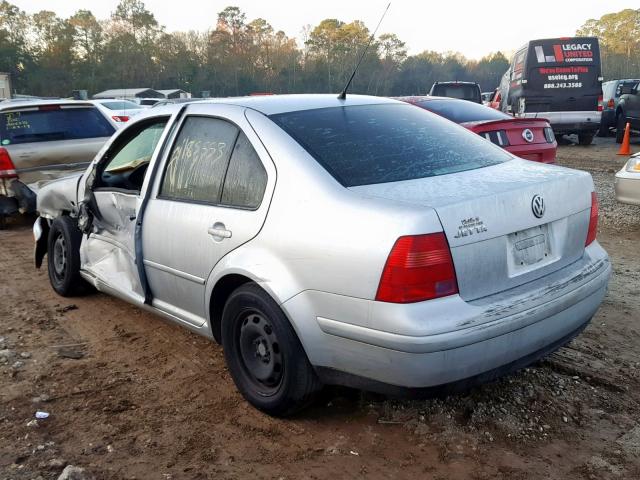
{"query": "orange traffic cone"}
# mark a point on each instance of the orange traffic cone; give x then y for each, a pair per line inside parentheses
(624, 148)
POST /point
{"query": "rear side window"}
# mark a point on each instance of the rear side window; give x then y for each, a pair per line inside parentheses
(198, 161)
(368, 144)
(52, 122)
(460, 112)
(246, 178)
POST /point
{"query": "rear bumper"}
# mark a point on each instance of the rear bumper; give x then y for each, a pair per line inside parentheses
(569, 122)
(627, 188)
(539, 152)
(449, 340)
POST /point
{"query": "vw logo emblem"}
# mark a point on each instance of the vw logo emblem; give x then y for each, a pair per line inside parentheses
(537, 206)
(527, 135)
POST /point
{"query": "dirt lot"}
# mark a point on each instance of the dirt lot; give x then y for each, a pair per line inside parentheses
(132, 397)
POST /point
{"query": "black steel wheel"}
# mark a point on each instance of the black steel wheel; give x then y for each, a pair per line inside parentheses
(264, 355)
(260, 351)
(63, 257)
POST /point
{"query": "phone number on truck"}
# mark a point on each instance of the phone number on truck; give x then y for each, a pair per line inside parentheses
(563, 85)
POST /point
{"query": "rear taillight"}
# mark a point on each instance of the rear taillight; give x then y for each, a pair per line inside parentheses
(499, 137)
(611, 104)
(600, 103)
(7, 168)
(419, 268)
(593, 220)
(549, 135)
(48, 108)
(120, 118)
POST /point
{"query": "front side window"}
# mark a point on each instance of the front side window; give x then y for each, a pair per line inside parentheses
(368, 144)
(198, 161)
(138, 149)
(128, 160)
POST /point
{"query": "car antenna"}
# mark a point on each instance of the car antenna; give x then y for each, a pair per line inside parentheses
(343, 94)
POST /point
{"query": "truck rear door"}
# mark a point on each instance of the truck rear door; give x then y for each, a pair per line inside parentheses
(563, 75)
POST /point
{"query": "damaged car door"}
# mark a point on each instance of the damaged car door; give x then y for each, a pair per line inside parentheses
(113, 195)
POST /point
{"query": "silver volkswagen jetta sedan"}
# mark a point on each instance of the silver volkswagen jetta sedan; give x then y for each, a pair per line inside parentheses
(363, 242)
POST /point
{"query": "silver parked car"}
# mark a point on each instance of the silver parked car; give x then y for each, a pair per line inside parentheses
(41, 140)
(363, 242)
(627, 182)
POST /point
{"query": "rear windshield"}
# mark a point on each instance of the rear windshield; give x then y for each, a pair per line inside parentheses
(460, 112)
(462, 91)
(28, 126)
(116, 105)
(368, 144)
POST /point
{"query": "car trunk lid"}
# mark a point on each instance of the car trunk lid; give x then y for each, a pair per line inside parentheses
(497, 240)
(514, 130)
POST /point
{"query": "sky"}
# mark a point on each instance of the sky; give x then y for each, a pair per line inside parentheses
(473, 28)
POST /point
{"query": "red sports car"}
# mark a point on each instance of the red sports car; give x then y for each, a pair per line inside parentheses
(530, 138)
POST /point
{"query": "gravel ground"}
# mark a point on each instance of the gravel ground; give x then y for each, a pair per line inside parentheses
(601, 161)
(132, 397)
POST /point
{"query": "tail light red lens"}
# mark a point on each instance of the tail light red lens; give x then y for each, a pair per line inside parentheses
(593, 220)
(7, 168)
(600, 103)
(419, 268)
(120, 118)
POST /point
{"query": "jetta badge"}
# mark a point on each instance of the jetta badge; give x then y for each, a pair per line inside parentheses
(527, 135)
(537, 206)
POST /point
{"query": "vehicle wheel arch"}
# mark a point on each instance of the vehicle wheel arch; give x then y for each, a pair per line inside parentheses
(239, 267)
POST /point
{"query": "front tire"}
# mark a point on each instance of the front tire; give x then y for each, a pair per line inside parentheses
(263, 354)
(63, 257)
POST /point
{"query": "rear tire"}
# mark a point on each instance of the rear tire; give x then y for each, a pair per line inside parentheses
(603, 131)
(263, 354)
(63, 257)
(585, 138)
(620, 125)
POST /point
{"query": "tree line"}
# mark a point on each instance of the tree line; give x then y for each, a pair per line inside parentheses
(51, 56)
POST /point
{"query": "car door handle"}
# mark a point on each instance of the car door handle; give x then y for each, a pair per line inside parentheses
(219, 232)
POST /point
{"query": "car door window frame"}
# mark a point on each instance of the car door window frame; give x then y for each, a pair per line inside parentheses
(218, 202)
(118, 144)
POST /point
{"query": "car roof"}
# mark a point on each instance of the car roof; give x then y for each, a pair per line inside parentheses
(106, 100)
(455, 82)
(274, 104)
(16, 104)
